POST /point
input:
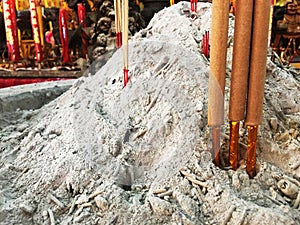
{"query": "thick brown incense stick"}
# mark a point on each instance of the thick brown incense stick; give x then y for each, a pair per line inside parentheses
(240, 59)
(257, 78)
(125, 38)
(239, 75)
(219, 36)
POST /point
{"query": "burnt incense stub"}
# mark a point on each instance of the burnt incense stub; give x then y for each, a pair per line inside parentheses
(233, 144)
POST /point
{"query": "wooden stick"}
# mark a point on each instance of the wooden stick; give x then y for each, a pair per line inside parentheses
(125, 31)
(116, 24)
(118, 19)
(116, 15)
(119, 8)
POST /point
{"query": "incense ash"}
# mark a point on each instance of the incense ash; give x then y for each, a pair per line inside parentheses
(102, 153)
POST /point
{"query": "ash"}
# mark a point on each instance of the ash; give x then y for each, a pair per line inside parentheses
(104, 154)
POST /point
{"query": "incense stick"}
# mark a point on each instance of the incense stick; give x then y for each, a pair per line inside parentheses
(125, 38)
(239, 75)
(118, 21)
(220, 14)
(257, 77)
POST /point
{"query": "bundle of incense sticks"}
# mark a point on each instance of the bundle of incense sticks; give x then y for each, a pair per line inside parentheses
(248, 76)
(248, 66)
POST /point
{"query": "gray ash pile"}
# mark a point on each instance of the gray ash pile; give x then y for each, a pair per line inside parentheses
(104, 154)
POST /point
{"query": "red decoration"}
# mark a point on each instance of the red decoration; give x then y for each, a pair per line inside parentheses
(9, 11)
(82, 20)
(125, 76)
(194, 5)
(9, 82)
(64, 36)
(35, 31)
(118, 39)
